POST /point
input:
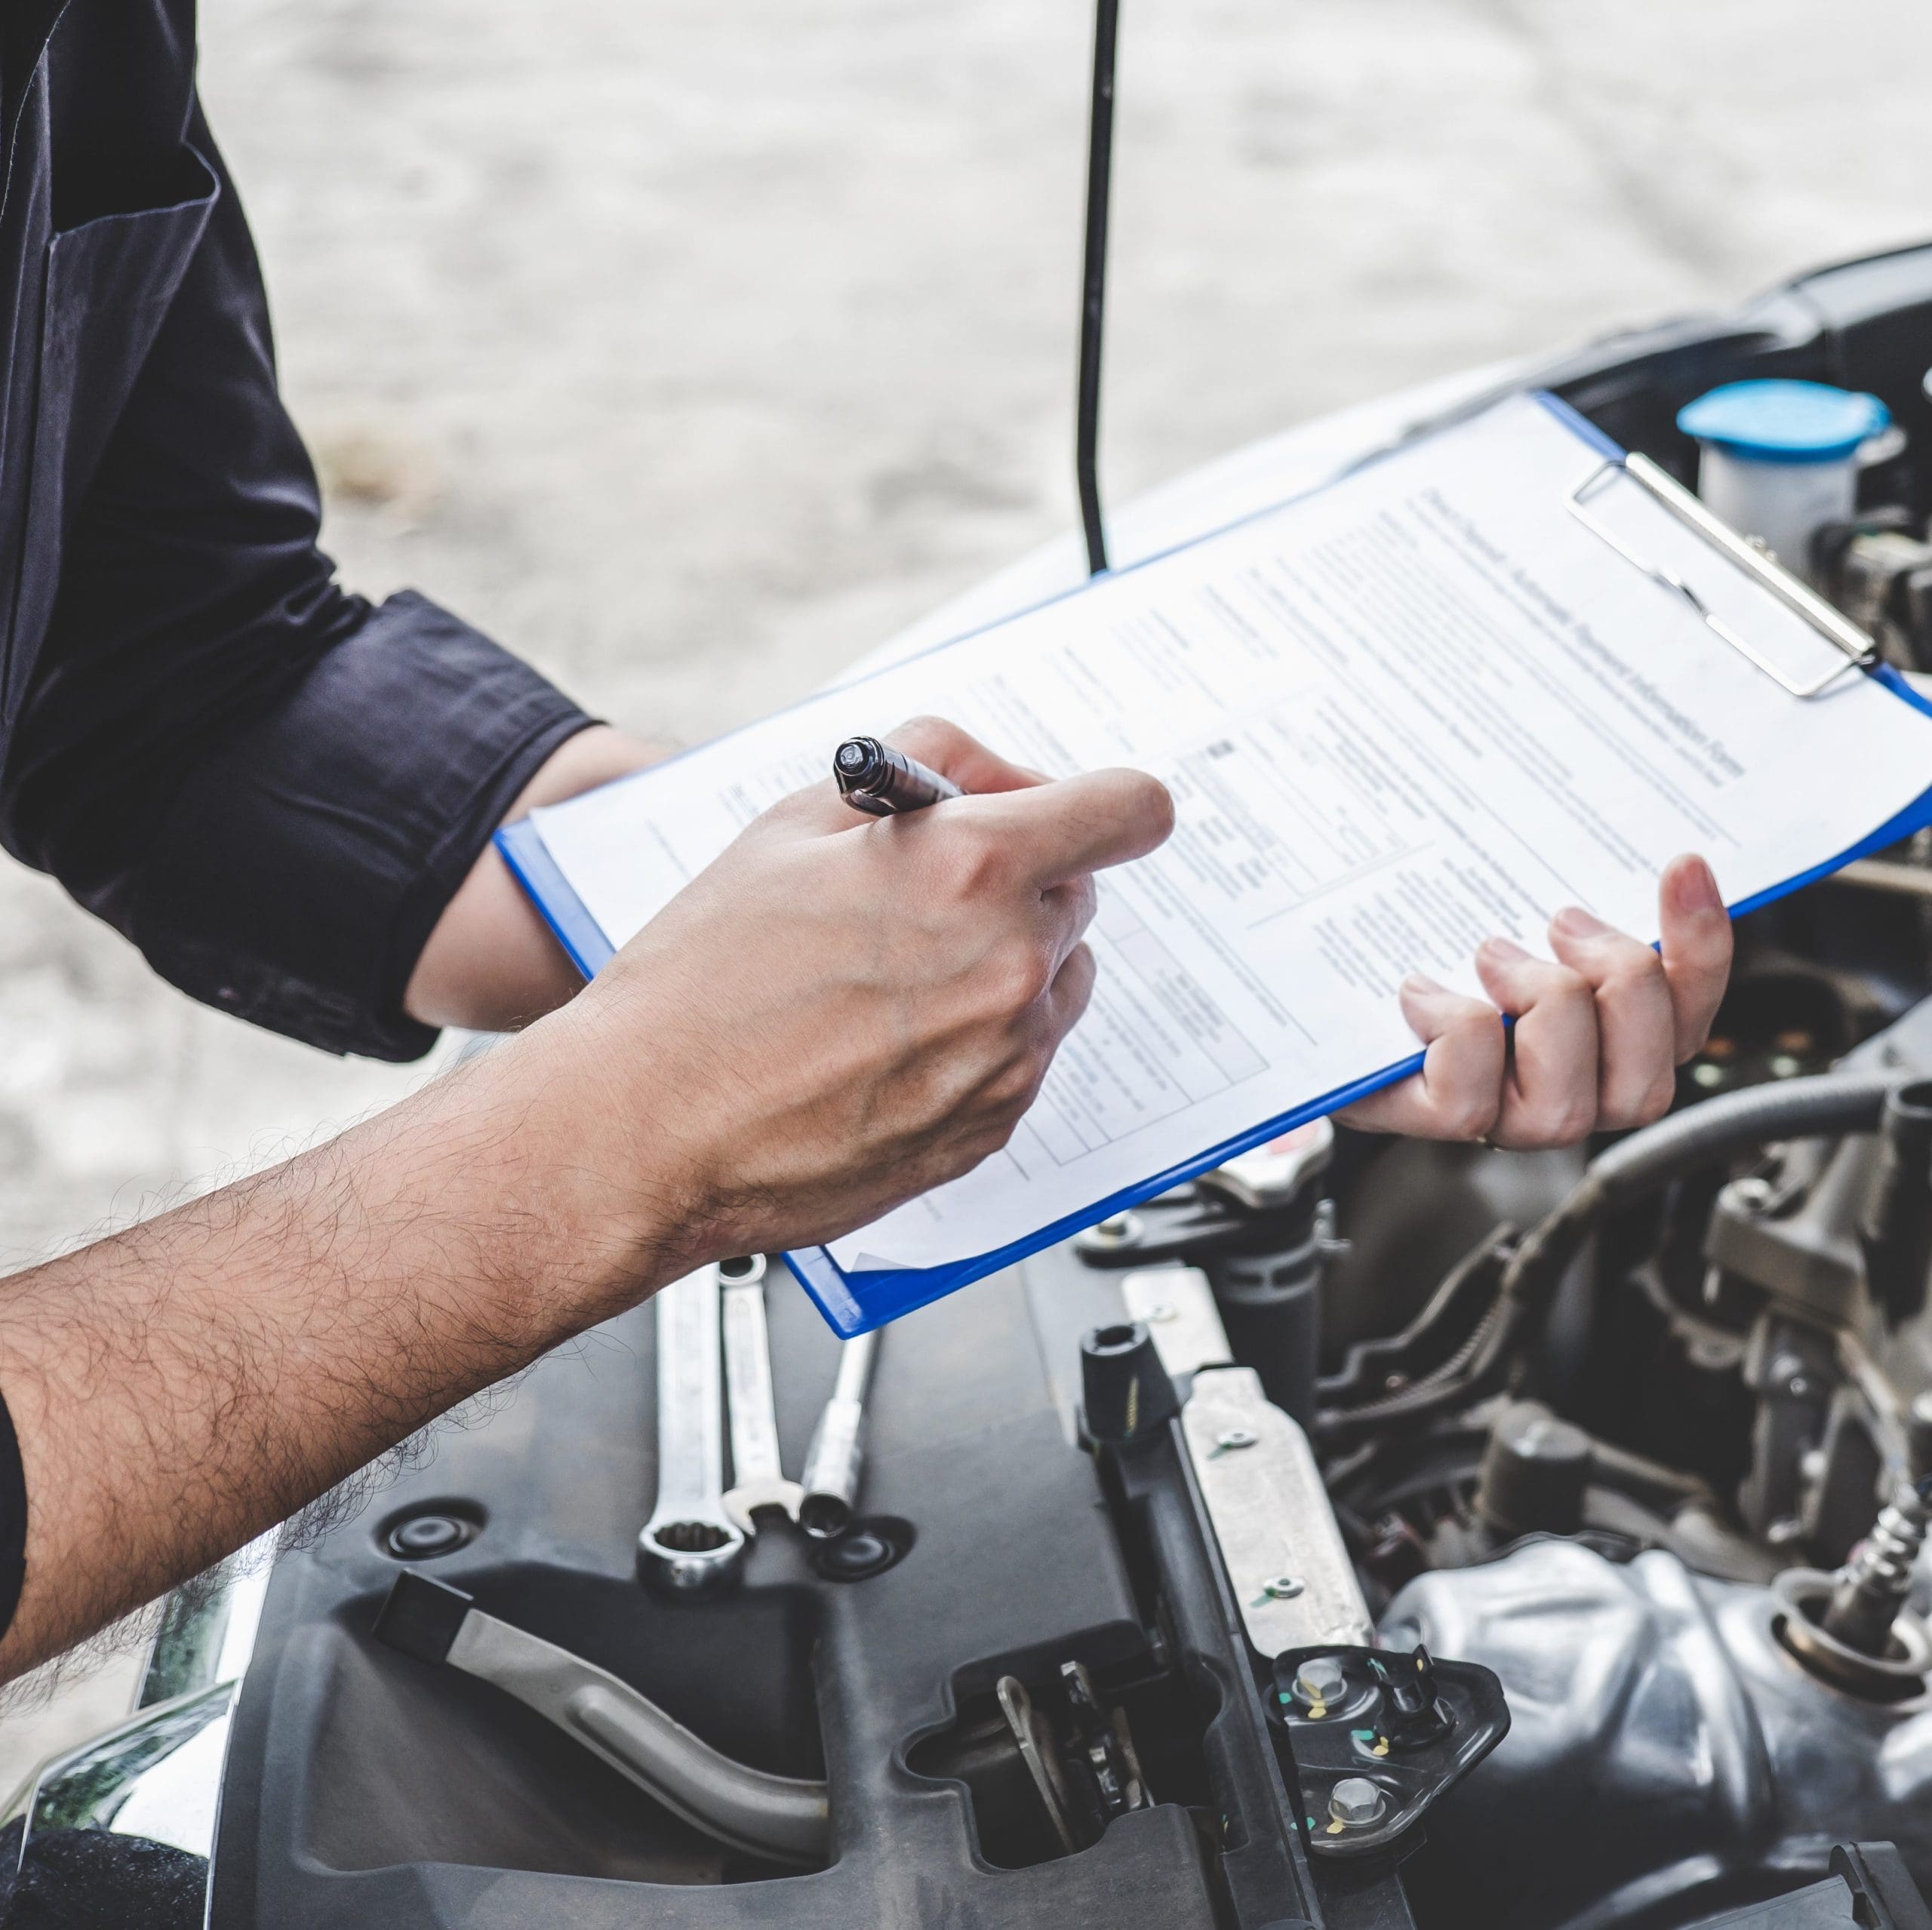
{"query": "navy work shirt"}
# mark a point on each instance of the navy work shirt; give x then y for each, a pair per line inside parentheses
(271, 788)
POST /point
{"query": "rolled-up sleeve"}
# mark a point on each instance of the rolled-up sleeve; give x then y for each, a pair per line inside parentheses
(270, 787)
(303, 860)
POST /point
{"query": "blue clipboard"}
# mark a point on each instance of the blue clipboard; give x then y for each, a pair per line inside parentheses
(854, 1303)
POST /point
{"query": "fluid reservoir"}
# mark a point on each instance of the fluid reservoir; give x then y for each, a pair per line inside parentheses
(1778, 460)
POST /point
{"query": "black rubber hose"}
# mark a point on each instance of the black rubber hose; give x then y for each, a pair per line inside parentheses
(1825, 1106)
(1829, 1104)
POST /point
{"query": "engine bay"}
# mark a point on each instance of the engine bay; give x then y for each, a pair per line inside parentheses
(1371, 1533)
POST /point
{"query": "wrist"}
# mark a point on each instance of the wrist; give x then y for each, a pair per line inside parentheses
(490, 962)
(597, 1201)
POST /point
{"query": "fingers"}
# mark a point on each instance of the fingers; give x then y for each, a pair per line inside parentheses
(1055, 833)
(1071, 988)
(1549, 1093)
(1051, 1018)
(1459, 1091)
(1697, 949)
(1598, 1032)
(940, 745)
(1636, 1019)
(954, 753)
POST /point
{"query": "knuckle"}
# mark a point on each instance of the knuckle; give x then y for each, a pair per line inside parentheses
(1569, 985)
(975, 863)
(1473, 1116)
(1657, 1100)
(1637, 977)
(1693, 1039)
(1010, 1090)
(1018, 978)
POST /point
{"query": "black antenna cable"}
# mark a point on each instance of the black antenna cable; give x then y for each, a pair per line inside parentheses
(1099, 167)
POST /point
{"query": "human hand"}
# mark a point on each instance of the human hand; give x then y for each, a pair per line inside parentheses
(1598, 1035)
(841, 1012)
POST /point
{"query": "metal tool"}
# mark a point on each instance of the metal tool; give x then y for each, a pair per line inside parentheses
(751, 1809)
(758, 1474)
(837, 1453)
(690, 1543)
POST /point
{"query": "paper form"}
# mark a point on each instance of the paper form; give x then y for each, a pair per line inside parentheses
(1425, 706)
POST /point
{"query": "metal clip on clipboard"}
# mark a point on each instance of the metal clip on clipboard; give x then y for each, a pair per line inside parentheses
(1858, 650)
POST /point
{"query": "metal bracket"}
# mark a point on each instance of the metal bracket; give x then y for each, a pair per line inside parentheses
(1285, 1558)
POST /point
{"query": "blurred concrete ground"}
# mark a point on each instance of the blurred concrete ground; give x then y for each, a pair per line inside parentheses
(694, 348)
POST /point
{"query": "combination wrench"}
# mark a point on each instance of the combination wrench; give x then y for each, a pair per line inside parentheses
(833, 1461)
(691, 1544)
(758, 1474)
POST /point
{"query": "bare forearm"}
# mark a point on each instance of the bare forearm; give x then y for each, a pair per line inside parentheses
(178, 1388)
(491, 963)
(731, 1083)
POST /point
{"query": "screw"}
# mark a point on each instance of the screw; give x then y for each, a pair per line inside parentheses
(1229, 1438)
(1283, 1587)
(1322, 1679)
(1161, 1312)
(1356, 1802)
(1752, 1195)
(1121, 1229)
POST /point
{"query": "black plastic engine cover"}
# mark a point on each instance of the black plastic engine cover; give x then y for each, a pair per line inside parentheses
(364, 1788)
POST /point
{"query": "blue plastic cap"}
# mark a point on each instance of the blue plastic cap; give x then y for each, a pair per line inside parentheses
(1784, 422)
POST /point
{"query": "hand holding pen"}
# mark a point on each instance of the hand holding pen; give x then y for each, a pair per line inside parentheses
(1599, 1030)
(881, 782)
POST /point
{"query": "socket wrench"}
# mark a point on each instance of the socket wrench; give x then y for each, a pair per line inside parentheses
(758, 1474)
(689, 1545)
(837, 1453)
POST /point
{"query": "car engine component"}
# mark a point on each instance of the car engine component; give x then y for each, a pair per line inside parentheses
(1370, 1535)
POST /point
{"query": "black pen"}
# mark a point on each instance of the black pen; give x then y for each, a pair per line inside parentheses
(874, 778)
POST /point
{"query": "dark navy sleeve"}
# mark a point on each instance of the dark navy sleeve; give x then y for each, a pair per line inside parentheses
(12, 1519)
(271, 788)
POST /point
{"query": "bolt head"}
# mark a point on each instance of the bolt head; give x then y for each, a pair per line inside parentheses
(1283, 1587)
(1356, 1802)
(1160, 1314)
(1233, 1438)
(1322, 1679)
(1120, 1230)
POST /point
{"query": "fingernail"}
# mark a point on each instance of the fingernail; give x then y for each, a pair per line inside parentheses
(1420, 985)
(1574, 922)
(1695, 888)
(1505, 951)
